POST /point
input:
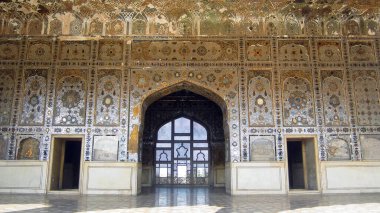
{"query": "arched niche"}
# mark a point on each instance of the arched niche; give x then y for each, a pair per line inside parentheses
(28, 149)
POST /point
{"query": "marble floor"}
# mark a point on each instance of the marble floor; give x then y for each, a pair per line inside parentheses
(191, 200)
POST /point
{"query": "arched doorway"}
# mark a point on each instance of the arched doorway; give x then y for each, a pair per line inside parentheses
(183, 141)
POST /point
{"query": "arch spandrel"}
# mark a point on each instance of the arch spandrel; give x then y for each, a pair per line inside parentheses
(219, 86)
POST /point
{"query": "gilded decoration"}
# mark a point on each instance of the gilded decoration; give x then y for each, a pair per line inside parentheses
(70, 103)
(107, 97)
(298, 101)
(28, 149)
(110, 50)
(9, 50)
(260, 98)
(176, 17)
(39, 50)
(338, 148)
(334, 98)
(34, 93)
(75, 50)
(293, 51)
(367, 97)
(362, 51)
(258, 50)
(329, 51)
(7, 87)
(185, 50)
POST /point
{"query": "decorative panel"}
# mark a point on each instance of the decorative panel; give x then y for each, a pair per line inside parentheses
(107, 97)
(262, 148)
(334, 98)
(28, 149)
(34, 97)
(338, 148)
(110, 50)
(75, 50)
(362, 51)
(55, 27)
(298, 104)
(9, 50)
(370, 146)
(258, 50)
(260, 100)
(208, 50)
(329, 51)
(39, 50)
(7, 87)
(105, 148)
(70, 103)
(293, 50)
(367, 97)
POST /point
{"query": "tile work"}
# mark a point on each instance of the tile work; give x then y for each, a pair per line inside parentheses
(191, 200)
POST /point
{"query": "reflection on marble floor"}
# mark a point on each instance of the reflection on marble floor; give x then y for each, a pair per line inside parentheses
(167, 199)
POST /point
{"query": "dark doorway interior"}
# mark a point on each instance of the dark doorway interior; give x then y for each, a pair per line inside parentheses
(71, 165)
(295, 165)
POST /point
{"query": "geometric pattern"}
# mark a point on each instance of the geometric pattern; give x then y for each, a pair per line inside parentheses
(367, 100)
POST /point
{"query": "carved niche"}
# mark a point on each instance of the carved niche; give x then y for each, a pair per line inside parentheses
(338, 149)
(28, 149)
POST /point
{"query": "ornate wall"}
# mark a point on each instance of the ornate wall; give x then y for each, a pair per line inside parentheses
(269, 87)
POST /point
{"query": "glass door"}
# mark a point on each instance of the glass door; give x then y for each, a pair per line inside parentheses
(182, 153)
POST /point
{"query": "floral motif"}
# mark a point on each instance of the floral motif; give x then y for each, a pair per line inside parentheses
(225, 81)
